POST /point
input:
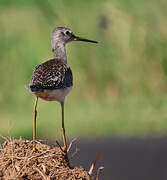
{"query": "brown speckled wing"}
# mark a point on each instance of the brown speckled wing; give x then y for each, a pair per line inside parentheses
(52, 74)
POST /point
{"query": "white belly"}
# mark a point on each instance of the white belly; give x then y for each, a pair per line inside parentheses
(53, 95)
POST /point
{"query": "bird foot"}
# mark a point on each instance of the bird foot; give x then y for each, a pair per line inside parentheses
(35, 150)
(64, 148)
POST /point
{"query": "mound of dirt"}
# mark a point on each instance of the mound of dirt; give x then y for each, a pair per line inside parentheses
(18, 162)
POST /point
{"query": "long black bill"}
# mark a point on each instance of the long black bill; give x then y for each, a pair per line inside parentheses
(76, 38)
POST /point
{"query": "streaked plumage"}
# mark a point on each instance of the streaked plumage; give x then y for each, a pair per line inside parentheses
(52, 80)
(53, 74)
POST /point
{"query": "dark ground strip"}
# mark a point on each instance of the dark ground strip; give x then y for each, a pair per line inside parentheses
(125, 159)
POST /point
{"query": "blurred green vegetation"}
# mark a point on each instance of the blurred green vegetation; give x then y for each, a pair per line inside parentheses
(120, 84)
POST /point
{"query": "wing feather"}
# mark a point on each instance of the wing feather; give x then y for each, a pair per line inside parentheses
(52, 74)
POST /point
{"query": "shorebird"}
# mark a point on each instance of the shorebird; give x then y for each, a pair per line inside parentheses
(53, 80)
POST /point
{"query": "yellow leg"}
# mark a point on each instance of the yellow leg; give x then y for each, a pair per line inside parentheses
(63, 128)
(34, 124)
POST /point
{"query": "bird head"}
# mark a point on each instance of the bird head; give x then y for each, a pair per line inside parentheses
(65, 35)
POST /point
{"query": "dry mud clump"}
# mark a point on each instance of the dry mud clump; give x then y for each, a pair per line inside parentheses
(17, 162)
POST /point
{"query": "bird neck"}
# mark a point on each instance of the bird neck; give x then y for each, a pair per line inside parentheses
(58, 49)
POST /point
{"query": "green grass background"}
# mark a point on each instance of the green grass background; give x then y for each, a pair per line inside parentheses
(120, 84)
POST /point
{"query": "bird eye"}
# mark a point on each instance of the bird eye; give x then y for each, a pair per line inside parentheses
(67, 33)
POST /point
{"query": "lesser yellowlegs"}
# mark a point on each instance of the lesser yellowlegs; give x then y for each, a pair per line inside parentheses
(53, 79)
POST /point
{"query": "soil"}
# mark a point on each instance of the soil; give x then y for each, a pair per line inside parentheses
(17, 162)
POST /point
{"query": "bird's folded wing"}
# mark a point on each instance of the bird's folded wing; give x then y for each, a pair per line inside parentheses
(52, 74)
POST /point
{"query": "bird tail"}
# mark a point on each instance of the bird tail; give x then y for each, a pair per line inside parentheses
(32, 88)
